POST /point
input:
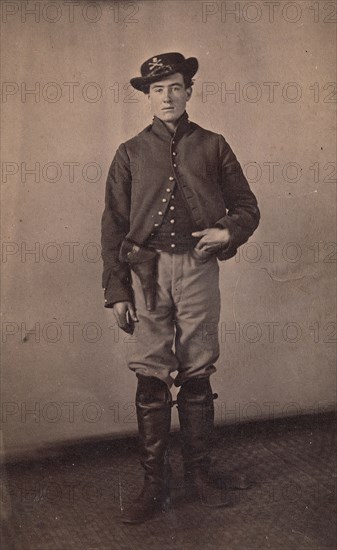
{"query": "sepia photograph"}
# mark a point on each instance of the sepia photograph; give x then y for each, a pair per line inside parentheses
(168, 275)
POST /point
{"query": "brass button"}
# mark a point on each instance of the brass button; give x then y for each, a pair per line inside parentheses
(172, 234)
(172, 221)
(171, 207)
(164, 200)
(171, 178)
(160, 213)
(156, 224)
(172, 245)
(174, 153)
(175, 166)
(168, 189)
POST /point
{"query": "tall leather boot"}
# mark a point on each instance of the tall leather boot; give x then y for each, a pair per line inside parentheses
(196, 416)
(153, 405)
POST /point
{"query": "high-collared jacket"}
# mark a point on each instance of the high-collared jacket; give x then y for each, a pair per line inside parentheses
(144, 171)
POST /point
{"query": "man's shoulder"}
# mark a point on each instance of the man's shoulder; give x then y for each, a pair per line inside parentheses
(138, 137)
(196, 130)
(205, 131)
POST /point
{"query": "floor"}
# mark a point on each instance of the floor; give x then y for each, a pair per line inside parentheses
(74, 501)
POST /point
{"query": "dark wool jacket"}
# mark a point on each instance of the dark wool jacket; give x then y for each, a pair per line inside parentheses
(144, 171)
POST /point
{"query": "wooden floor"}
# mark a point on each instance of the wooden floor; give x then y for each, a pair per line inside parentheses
(74, 501)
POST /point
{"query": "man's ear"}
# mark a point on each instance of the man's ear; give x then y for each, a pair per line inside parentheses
(188, 93)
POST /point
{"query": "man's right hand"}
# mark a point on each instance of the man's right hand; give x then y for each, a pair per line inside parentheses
(126, 316)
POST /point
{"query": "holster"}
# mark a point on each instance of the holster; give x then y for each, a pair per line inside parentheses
(143, 262)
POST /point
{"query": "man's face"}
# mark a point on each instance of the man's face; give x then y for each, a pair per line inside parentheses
(168, 97)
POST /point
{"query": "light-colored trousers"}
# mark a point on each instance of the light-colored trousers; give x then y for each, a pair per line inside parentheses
(182, 333)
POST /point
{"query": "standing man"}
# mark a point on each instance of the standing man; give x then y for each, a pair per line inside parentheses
(176, 202)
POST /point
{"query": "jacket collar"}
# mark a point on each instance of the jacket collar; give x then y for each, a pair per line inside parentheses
(160, 129)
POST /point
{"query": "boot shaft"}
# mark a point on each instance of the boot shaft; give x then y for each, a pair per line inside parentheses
(196, 416)
(153, 405)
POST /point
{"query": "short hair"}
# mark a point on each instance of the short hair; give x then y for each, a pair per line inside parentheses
(188, 82)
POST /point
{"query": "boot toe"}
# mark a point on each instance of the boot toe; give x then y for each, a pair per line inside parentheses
(145, 506)
(198, 489)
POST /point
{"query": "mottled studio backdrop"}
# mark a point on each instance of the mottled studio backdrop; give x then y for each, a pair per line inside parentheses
(267, 82)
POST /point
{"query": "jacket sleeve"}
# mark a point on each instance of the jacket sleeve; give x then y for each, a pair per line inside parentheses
(116, 279)
(243, 214)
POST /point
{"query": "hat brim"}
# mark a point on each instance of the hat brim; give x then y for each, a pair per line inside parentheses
(189, 67)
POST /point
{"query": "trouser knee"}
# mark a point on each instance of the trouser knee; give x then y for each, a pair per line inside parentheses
(152, 390)
(196, 391)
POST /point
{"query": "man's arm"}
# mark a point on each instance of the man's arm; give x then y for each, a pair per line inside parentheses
(243, 213)
(243, 216)
(116, 279)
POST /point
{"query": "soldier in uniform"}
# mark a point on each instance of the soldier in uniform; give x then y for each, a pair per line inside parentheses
(176, 202)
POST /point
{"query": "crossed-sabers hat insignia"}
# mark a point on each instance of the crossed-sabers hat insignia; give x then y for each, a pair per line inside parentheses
(155, 63)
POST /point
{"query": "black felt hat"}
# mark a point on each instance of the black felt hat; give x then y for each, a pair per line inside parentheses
(163, 65)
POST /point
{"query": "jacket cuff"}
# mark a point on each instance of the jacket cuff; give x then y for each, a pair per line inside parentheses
(114, 295)
(239, 235)
(229, 249)
(226, 223)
